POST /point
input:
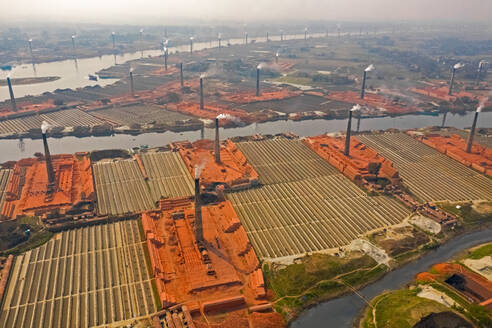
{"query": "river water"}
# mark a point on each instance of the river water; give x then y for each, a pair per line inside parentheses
(15, 150)
(74, 73)
(341, 312)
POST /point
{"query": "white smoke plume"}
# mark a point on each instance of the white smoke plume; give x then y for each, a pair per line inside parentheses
(219, 35)
(458, 65)
(355, 108)
(74, 36)
(44, 127)
(261, 65)
(141, 30)
(203, 75)
(192, 38)
(199, 168)
(30, 40)
(370, 68)
(481, 105)
(228, 117)
(131, 69)
(277, 54)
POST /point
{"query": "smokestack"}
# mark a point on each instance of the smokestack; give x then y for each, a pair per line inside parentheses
(347, 135)
(481, 66)
(450, 92)
(201, 93)
(30, 49)
(258, 81)
(455, 68)
(132, 88)
(73, 42)
(267, 39)
(245, 37)
(47, 156)
(281, 35)
(198, 210)
(181, 75)
(276, 57)
(12, 98)
(217, 141)
(472, 132)
(444, 119)
(220, 39)
(362, 91)
(191, 45)
(165, 58)
(305, 34)
(114, 42)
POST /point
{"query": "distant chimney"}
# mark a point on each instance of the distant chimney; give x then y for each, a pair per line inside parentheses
(181, 75)
(246, 38)
(49, 166)
(114, 42)
(30, 49)
(165, 59)
(358, 120)
(281, 35)
(450, 92)
(217, 141)
(268, 38)
(347, 135)
(220, 44)
(132, 88)
(191, 46)
(12, 98)
(444, 119)
(362, 92)
(257, 82)
(198, 213)
(201, 93)
(472, 133)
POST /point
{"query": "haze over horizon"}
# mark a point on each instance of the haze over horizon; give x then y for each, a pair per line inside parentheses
(155, 11)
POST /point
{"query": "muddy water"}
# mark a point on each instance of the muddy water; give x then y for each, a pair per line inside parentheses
(15, 149)
(74, 73)
(341, 312)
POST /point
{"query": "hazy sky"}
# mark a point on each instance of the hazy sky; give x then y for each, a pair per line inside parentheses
(134, 11)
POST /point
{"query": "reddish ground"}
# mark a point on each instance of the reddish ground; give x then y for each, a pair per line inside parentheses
(27, 188)
(233, 171)
(373, 100)
(480, 157)
(162, 71)
(226, 275)
(362, 165)
(439, 90)
(25, 108)
(250, 97)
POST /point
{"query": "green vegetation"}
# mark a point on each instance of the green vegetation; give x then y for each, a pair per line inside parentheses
(480, 252)
(467, 213)
(402, 309)
(316, 278)
(13, 237)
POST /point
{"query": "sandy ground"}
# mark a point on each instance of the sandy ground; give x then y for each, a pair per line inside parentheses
(435, 295)
(481, 266)
(426, 224)
(366, 247)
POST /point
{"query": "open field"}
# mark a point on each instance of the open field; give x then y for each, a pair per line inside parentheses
(4, 178)
(168, 176)
(430, 175)
(63, 118)
(85, 277)
(121, 188)
(283, 160)
(140, 114)
(307, 205)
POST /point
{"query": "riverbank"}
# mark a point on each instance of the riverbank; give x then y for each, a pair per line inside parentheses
(30, 80)
(342, 311)
(433, 293)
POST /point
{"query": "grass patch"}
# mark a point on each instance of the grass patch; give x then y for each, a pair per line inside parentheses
(467, 213)
(480, 252)
(13, 237)
(296, 278)
(402, 308)
(155, 293)
(37, 239)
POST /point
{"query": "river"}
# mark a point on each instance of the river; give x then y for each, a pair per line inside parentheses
(341, 312)
(11, 149)
(74, 73)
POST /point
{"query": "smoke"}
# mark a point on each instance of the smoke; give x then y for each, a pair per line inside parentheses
(192, 38)
(277, 54)
(219, 35)
(30, 40)
(131, 69)
(458, 65)
(166, 42)
(44, 127)
(203, 75)
(113, 33)
(481, 105)
(141, 30)
(74, 36)
(199, 168)
(370, 68)
(228, 117)
(355, 108)
(261, 65)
